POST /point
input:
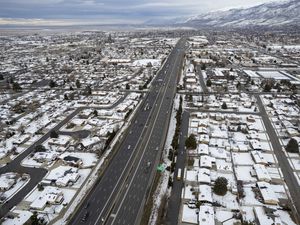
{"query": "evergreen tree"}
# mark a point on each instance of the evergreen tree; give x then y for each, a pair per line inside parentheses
(40, 148)
(66, 97)
(292, 146)
(208, 83)
(95, 113)
(16, 86)
(52, 84)
(34, 219)
(78, 84)
(220, 186)
(224, 105)
(53, 134)
(191, 142)
(267, 88)
(88, 90)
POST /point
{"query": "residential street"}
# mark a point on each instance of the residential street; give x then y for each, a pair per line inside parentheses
(286, 169)
(175, 198)
(36, 174)
(201, 79)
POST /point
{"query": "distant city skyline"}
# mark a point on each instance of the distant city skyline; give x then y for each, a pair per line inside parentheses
(82, 12)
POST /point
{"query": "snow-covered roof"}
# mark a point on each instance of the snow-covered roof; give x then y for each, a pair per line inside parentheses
(6, 181)
(265, 219)
(258, 157)
(21, 218)
(206, 215)
(267, 193)
(206, 161)
(204, 176)
(261, 173)
(48, 195)
(203, 149)
(189, 215)
(205, 193)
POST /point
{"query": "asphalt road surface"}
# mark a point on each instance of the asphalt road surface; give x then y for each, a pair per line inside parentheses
(174, 202)
(120, 194)
(36, 174)
(287, 171)
(173, 209)
(201, 79)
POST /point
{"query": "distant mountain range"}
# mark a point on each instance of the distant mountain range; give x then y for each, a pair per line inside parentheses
(274, 14)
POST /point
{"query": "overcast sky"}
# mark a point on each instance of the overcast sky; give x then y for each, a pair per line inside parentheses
(108, 11)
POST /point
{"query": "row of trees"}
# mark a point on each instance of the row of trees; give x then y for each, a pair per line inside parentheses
(175, 140)
(178, 124)
(53, 84)
(270, 84)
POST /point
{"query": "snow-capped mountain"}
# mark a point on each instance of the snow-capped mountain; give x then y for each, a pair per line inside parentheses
(270, 14)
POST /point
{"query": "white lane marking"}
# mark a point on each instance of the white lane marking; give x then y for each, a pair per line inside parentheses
(145, 145)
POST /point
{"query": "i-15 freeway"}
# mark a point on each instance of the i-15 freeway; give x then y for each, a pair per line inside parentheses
(121, 193)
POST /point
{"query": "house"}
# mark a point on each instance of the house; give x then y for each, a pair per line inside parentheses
(258, 158)
(206, 161)
(275, 175)
(191, 177)
(48, 156)
(90, 141)
(204, 139)
(251, 119)
(7, 181)
(72, 161)
(204, 176)
(202, 130)
(206, 215)
(202, 149)
(63, 176)
(266, 216)
(267, 193)
(223, 166)
(292, 132)
(219, 153)
(205, 193)
(21, 139)
(261, 173)
(61, 140)
(194, 124)
(85, 114)
(49, 196)
(189, 215)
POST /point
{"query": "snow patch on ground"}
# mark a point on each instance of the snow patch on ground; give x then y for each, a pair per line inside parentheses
(21, 218)
(88, 184)
(145, 62)
(162, 188)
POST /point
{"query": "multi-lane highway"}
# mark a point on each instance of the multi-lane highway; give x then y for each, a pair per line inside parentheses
(120, 194)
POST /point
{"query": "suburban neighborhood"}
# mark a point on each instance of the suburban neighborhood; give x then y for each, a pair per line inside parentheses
(176, 126)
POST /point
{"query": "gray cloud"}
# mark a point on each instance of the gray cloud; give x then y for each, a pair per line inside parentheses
(111, 10)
